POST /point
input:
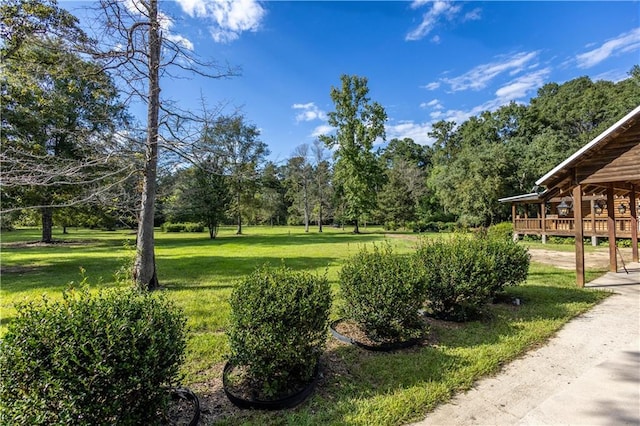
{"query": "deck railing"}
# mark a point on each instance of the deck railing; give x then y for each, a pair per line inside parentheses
(565, 226)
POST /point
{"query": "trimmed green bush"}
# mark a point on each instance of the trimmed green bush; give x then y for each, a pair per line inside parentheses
(279, 324)
(182, 227)
(382, 292)
(501, 231)
(459, 277)
(91, 359)
(510, 262)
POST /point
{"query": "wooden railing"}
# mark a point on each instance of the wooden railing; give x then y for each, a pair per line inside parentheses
(565, 226)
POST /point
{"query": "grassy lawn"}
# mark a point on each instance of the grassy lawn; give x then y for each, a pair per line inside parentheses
(358, 387)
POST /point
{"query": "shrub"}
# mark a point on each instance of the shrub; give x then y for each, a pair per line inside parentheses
(182, 227)
(501, 231)
(459, 277)
(172, 227)
(279, 323)
(510, 262)
(382, 292)
(391, 226)
(193, 227)
(91, 359)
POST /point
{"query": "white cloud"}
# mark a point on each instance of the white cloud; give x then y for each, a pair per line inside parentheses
(309, 112)
(180, 40)
(480, 76)
(323, 129)
(230, 18)
(410, 129)
(166, 23)
(434, 103)
(624, 43)
(523, 85)
(436, 115)
(431, 86)
(615, 76)
(473, 15)
(439, 9)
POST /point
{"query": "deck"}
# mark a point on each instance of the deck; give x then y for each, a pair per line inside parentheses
(595, 227)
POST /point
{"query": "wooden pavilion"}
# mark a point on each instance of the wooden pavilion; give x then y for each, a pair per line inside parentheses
(592, 193)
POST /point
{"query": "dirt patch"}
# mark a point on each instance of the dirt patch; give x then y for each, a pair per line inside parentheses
(567, 259)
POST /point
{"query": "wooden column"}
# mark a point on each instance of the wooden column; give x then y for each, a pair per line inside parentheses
(543, 217)
(634, 223)
(577, 214)
(611, 227)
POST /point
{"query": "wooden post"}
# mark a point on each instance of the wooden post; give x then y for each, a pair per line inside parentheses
(513, 219)
(634, 223)
(593, 222)
(577, 214)
(543, 217)
(611, 227)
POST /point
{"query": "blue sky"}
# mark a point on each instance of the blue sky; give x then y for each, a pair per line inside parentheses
(425, 60)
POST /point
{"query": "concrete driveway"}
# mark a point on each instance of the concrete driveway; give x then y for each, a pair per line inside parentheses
(588, 374)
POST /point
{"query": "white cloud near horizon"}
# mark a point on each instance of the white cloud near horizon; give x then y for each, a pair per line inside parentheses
(522, 86)
(624, 43)
(230, 18)
(480, 76)
(323, 129)
(309, 112)
(409, 129)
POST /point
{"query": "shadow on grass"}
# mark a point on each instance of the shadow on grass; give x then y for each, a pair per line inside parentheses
(269, 240)
(189, 270)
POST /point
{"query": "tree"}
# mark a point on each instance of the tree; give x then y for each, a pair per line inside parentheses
(238, 144)
(272, 195)
(299, 181)
(141, 49)
(321, 189)
(59, 113)
(200, 194)
(400, 197)
(358, 123)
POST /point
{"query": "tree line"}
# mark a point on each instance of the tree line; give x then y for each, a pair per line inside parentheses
(73, 155)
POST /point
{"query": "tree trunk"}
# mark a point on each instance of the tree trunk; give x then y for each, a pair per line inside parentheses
(356, 229)
(239, 217)
(306, 209)
(320, 218)
(144, 273)
(47, 225)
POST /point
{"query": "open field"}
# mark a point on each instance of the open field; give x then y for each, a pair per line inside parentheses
(357, 387)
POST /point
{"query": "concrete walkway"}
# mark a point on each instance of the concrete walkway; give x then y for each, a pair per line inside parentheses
(588, 374)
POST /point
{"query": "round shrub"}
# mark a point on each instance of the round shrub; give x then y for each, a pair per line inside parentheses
(510, 262)
(91, 359)
(383, 293)
(501, 231)
(279, 324)
(459, 277)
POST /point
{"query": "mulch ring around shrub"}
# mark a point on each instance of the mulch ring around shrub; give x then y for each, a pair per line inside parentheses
(184, 408)
(242, 393)
(350, 332)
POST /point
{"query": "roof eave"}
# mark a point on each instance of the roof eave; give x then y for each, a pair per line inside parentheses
(595, 142)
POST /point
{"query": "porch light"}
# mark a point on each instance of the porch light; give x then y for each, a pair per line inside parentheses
(563, 208)
(598, 207)
(622, 208)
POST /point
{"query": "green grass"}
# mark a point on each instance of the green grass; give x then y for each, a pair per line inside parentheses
(359, 387)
